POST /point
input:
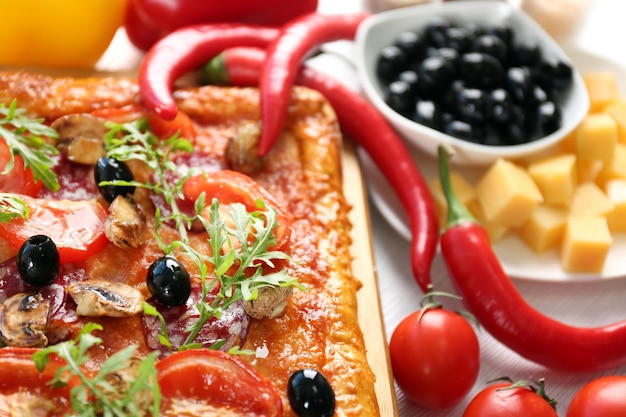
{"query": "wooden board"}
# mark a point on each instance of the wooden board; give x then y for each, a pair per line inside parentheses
(370, 317)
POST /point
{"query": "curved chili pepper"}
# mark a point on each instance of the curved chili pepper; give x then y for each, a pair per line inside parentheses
(187, 49)
(284, 56)
(491, 297)
(369, 129)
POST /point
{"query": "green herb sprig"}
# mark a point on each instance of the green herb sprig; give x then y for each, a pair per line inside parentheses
(24, 137)
(12, 207)
(254, 231)
(95, 396)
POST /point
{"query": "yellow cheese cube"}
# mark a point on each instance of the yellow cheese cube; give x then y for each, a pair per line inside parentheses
(588, 171)
(616, 191)
(586, 244)
(602, 87)
(596, 137)
(615, 168)
(544, 229)
(590, 200)
(495, 231)
(617, 110)
(507, 194)
(556, 178)
(462, 188)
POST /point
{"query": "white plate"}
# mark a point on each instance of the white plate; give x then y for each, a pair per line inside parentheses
(517, 259)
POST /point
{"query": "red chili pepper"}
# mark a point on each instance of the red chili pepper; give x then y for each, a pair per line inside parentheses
(147, 21)
(491, 297)
(187, 49)
(369, 129)
(285, 54)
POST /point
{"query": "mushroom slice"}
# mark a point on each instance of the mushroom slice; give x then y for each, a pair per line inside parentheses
(125, 226)
(81, 137)
(270, 303)
(241, 151)
(24, 320)
(121, 381)
(96, 298)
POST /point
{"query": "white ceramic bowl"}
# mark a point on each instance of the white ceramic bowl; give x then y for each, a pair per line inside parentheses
(380, 30)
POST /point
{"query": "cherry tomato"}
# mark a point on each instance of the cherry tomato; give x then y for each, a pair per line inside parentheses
(499, 400)
(21, 384)
(76, 227)
(19, 180)
(435, 359)
(216, 380)
(605, 396)
(234, 187)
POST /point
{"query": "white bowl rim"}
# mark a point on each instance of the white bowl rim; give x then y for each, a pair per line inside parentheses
(468, 152)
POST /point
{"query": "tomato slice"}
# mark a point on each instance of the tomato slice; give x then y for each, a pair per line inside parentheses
(22, 385)
(216, 380)
(20, 179)
(76, 227)
(234, 187)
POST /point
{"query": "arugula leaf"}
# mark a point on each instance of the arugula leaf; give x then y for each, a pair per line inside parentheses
(24, 137)
(254, 231)
(12, 207)
(95, 395)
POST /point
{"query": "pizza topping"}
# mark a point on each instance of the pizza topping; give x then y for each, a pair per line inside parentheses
(168, 281)
(242, 150)
(125, 226)
(24, 320)
(81, 137)
(38, 261)
(310, 394)
(112, 170)
(105, 298)
(270, 302)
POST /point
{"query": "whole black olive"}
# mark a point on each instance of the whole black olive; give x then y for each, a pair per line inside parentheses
(519, 84)
(38, 261)
(504, 31)
(498, 106)
(411, 78)
(428, 113)
(391, 60)
(526, 54)
(458, 38)
(492, 45)
(549, 117)
(471, 105)
(435, 31)
(463, 130)
(560, 75)
(110, 169)
(435, 73)
(168, 281)
(399, 96)
(310, 394)
(411, 43)
(448, 53)
(481, 70)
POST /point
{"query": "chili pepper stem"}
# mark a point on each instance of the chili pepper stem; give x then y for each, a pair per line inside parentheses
(457, 212)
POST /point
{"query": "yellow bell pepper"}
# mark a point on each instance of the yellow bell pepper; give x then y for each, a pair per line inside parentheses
(57, 33)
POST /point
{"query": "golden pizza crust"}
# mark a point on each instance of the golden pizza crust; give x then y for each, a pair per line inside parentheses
(320, 326)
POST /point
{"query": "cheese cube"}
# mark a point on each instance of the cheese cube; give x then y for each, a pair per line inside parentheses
(462, 189)
(495, 231)
(590, 200)
(556, 178)
(596, 137)
(588, 171)
(602, 87)
(586, 244)
(616, 219)
(617, 110)
(544, 229)
(507, 194)
(615, 168)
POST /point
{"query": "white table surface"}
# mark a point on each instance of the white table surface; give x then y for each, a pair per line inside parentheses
(588, 304)
(584, 304)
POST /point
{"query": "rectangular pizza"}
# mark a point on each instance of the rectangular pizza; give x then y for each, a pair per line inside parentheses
(171, 241)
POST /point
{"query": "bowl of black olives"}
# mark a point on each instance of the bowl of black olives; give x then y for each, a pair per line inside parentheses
(480, 76)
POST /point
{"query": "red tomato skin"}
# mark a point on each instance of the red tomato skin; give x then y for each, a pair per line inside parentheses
(76, 227)
(204, 375)
(605, 396)
(20, 179)
(515, 402)
(435, 361)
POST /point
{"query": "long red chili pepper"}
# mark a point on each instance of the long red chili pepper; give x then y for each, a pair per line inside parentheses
(284, 56)
(187, 49)
(491, 297)
(369, 129)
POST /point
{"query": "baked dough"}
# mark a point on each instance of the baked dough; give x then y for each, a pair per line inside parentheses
(319, 328)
